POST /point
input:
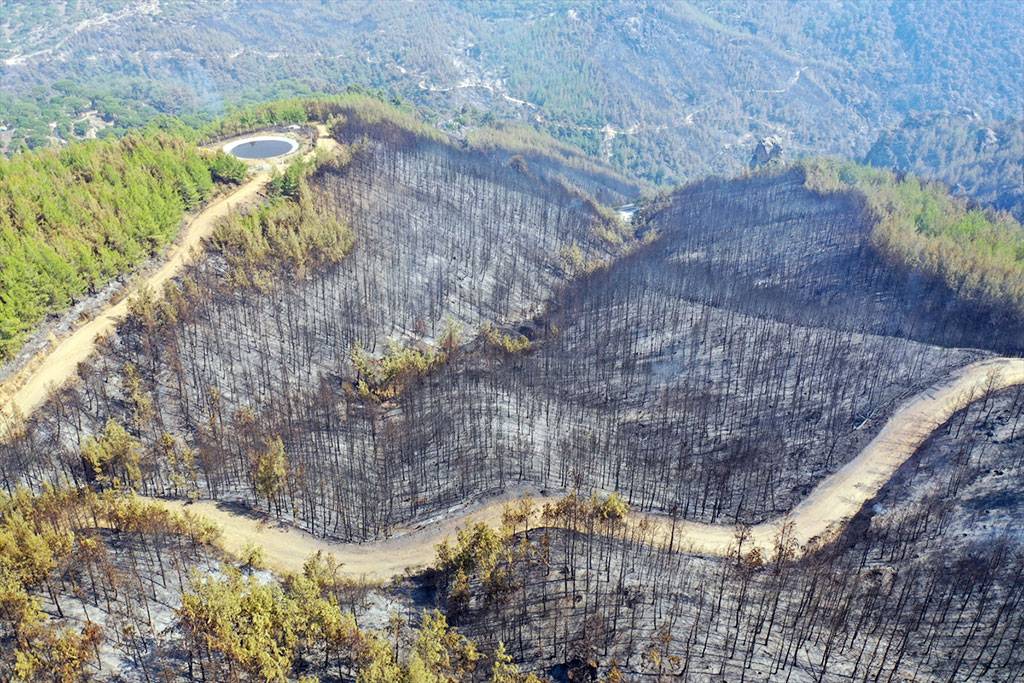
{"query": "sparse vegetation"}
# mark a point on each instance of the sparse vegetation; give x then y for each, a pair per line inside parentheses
(508, 343)
(384, 378)
(55, 561)
(113, 457)
(282, 235)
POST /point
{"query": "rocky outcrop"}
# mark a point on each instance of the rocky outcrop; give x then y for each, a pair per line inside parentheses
(889, 151)
(767, 153)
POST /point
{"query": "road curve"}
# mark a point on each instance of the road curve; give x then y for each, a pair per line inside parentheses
(27, 391)
(819, 517)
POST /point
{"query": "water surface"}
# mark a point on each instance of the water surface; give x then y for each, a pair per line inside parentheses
(261, 148)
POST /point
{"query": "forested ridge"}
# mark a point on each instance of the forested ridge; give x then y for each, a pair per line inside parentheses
(977, 253)
(982, 160)
(73, 219)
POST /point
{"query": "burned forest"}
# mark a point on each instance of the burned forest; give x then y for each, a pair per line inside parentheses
(403, 334)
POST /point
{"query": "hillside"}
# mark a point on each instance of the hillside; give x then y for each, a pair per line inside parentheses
(668, 91)
(418, 207)
(890, 257)
(412, 324)
(73, 220)
(514, 341)
(421, 204)
(937, 538)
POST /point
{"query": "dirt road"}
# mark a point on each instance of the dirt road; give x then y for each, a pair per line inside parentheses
(27, 391)
(820, 516)
(63, 359)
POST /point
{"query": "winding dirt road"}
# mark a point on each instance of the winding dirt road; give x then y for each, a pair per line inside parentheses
(818, 517)
(27, 390)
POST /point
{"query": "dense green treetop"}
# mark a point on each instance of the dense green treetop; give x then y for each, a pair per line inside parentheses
(73, 219)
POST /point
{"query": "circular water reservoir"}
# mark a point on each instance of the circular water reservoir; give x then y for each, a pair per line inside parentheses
(261, 147)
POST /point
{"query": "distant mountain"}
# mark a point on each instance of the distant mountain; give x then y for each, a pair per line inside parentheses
(982, 160)
(667, 90)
